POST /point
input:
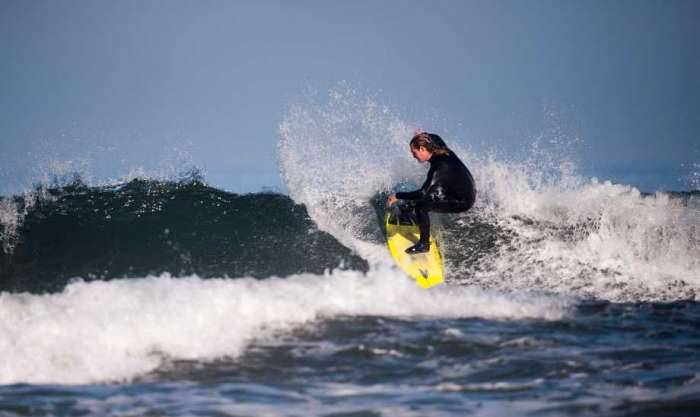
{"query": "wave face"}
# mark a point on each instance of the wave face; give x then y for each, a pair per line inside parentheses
(536, 224)
(149, 227)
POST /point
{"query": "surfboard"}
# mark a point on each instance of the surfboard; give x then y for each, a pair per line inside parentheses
(402, 232)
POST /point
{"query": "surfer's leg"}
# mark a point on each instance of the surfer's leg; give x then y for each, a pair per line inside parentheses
(450, 206)
(423, 219)
(423, 222)
(422, 210)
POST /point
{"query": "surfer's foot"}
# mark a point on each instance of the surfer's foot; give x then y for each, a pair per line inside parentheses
(419, 247)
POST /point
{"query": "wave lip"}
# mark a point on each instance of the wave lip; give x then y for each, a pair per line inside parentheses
(117, 330)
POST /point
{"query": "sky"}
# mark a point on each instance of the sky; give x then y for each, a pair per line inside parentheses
(107, 88)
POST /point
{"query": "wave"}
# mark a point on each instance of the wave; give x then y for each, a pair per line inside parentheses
(147, 227)
(537, 223)
(117, 330)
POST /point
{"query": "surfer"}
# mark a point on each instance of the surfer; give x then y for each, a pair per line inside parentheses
(448, 188)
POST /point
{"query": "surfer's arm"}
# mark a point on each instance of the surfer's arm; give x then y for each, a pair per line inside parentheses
(411, 195)
(418, 194)
(434, 192)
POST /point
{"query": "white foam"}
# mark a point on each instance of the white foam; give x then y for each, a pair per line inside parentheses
(102, 331)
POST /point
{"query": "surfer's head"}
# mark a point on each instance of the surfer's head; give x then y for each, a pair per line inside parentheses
(424, 145)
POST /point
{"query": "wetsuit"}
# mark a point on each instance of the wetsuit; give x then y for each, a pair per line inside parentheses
(449, 188)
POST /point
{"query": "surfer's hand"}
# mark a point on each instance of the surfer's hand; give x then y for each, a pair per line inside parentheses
(391, 200)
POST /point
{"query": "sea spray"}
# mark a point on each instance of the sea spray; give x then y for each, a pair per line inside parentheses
(335, 158)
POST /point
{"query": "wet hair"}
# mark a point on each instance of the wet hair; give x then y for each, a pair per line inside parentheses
(433, 143)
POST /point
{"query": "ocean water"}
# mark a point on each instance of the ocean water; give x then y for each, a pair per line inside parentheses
(565, 295)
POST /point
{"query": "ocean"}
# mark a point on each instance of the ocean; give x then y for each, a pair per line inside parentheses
(564, 295)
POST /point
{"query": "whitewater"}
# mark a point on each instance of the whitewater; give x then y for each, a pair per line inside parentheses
(565, 295)
(115, 330)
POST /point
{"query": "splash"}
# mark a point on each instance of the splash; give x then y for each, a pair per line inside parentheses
(334, 158)
(537, 223)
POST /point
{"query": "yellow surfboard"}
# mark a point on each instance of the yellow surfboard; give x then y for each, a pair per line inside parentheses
(401, 233)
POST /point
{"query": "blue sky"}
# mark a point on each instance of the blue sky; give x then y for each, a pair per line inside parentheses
(108, 87)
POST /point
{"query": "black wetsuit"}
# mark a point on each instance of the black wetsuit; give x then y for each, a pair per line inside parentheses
(449, 188)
